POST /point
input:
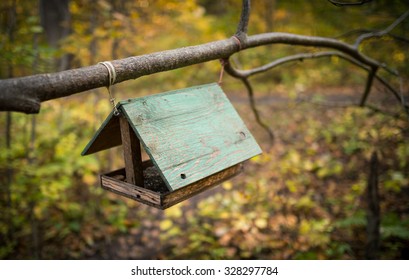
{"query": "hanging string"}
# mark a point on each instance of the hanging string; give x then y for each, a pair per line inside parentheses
(112, 77)
(223, 62)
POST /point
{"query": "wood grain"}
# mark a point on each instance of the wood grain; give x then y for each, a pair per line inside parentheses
(114, 182)
(131, 191)
(132, 154)
(200, 186)
(191, 133)
(107, 136)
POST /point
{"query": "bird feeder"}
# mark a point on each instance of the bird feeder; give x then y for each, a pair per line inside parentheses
(194, 138)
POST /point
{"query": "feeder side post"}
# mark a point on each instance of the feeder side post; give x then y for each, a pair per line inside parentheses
(132, 154)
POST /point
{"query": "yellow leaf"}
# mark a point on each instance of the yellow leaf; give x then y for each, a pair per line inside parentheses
(399, 56)
(166, 224)
(305, 227)
(89, 179)
(174, 212)
(227, 185)
(261, 223)
(256, 159)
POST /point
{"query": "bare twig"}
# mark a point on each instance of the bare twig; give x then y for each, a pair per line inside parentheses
(353, 32)
(381, 33)
(405, 104)
(255, 110)
(311, 41)
(395, 37)
(395, 93)
(234, 73)
(287, 59)
(399, 38)
(368, 86)
(342, 3)
(372, 71)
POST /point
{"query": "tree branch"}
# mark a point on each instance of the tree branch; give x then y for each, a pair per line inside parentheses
(255, 110)
(311, 41)
(368, 86)
(244, 78)
(244, 18)
(342, 4)
(297, 57)
(372, 71)
(361, 31)
(381, 33)
(25, 94)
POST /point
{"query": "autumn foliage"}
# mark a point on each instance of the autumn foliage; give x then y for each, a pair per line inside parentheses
(303, 198)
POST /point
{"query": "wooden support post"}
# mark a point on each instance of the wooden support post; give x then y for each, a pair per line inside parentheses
(132, 154)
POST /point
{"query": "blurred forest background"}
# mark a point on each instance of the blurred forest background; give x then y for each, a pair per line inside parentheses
(303, 198)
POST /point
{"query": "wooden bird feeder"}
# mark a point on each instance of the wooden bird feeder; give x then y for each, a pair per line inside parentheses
(194, 138)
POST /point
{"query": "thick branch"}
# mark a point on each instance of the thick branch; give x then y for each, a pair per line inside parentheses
(342, 3)
(312, 41)
(26, 94)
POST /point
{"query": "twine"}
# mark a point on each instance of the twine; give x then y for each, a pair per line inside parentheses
(112, 78)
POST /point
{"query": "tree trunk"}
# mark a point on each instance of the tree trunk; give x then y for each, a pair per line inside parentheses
(373, 210)
(11, 18)
(55, 19)
(268, 14)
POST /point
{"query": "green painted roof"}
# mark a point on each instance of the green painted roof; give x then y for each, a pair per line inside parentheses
(189, 133)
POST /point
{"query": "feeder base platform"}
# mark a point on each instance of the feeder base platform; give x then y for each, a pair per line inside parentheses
(155, 193)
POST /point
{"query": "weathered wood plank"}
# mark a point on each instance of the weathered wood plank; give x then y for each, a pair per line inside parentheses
(132, 154)
(107, 136)
(200, 186)
(191, 133)
(114, 182)
(131, 191)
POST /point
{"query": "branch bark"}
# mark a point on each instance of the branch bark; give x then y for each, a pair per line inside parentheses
(342, 3)
(381, 33)
(25, 94)
(372, 72)
(244, 18)
(244, 78)
(361, 32)
(368, 86)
